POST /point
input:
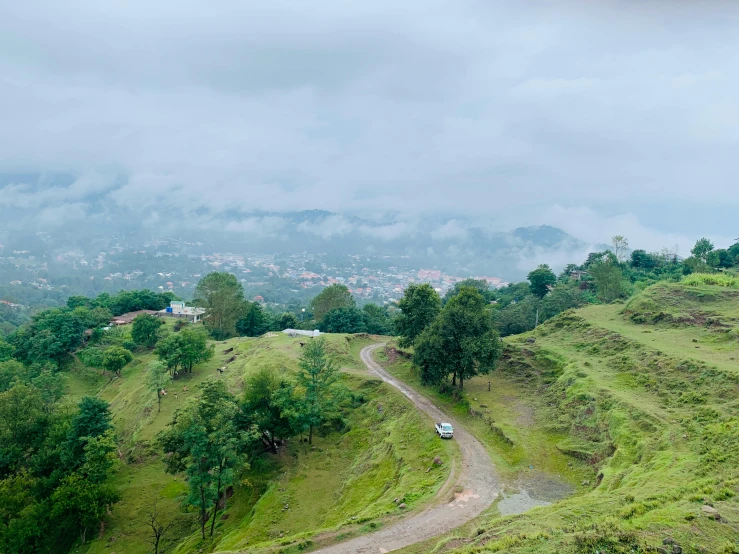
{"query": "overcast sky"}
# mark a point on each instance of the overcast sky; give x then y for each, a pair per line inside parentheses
(598, 117)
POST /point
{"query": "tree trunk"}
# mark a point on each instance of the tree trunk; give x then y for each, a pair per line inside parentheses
(454, 379)
(218, 498)
(310, 434)
(159, 400)
(203, 519)
(461, 381)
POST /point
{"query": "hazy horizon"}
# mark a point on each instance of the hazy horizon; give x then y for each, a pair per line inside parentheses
(619, 118)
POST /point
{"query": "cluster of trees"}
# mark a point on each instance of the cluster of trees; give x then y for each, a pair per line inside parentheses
(333, 310)
(52, 335)
(457, 339)
(213, 439)
(55, 465)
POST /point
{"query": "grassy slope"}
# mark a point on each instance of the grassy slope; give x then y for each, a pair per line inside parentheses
(344, 485)
(656, 419)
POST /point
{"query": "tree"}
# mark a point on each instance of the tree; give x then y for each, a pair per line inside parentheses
(332, 297)
(204, 441)
(344, 320)
(81, 503)
(158, 529)
(184, 349)
(284, 321)
(264, 407)
(641, 259)
(319, 378)
(480, 284)
(377, 319)
(115, 359)
(419, 307)
(541, 280)
(609, 281)
(222, 296)
(145, 329)
(156, 377)
(620, 246)
(517, 317)
(703, 247)
(253, 322)
(461, 342)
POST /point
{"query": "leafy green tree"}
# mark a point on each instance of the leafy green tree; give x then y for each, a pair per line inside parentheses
(563, 297)
(222, 295)
(419, 307)
(6, 351)
(332, 297)
(703, 247)
(517, 317)
(51, 389)
(481, 285)
(204, 441)
(344, 320)
(115, 359)
(461, 342)
(254, 322)
(51, 335)
(184, 349)
(92, 420)
(641, 259)
(194, 347)
(377, 319)
(156, 377)
(263, 406)
(81, 503)
(319, 378)
(145, 330)
(284, 321)
(609, 280)
(541, 280)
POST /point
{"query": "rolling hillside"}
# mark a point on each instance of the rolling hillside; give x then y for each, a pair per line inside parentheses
(645, 395)
(343, 485)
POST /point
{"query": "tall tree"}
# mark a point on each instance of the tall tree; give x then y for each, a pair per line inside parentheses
(702, 249)
(263, 406)
(541, 280)
(419, 307)
(253, 321)
(222, 295)
(620, 245)
(344, 320)
(204, 441)
(145, 330)
(461, 342)
(378, 320)
(331, 298)
(319, 378)
(609, 280)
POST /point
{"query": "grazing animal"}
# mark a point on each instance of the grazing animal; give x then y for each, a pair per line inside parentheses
(302, 344)
(175, 396)
(185, 389)
(219, 370)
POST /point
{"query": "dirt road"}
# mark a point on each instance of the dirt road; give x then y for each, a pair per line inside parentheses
(476, 480)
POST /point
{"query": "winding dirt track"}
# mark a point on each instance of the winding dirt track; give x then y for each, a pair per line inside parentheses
(477, 481)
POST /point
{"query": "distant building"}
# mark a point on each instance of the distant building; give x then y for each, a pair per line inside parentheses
(179, 310)
(125, 319)
(578, 275)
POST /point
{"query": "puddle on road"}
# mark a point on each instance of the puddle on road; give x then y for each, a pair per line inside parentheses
(532, 490)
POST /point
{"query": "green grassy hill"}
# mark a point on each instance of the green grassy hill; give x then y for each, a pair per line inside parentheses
(305, 496)
(642, 400)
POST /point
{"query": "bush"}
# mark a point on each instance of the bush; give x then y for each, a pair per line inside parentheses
(719, 279)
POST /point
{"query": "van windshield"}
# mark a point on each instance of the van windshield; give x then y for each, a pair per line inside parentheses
(446, 427)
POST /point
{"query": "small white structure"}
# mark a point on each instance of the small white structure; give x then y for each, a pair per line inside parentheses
(296, 332)
(178, 309)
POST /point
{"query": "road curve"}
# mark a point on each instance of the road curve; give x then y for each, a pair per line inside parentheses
(477, 481)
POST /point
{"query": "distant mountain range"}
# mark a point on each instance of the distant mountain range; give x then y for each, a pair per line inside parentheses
(92, 221)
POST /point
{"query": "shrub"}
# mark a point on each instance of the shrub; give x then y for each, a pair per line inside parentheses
(719, 279)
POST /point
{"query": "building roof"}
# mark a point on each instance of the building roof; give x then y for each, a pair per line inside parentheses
(125, 319)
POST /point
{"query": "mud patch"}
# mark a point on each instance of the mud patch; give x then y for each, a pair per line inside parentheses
(531, 490)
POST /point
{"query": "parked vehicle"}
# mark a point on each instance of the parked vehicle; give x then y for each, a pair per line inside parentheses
(445, 430)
